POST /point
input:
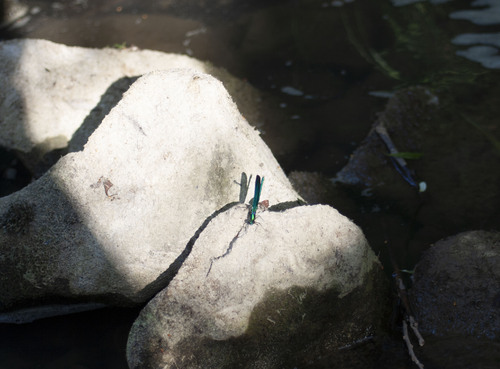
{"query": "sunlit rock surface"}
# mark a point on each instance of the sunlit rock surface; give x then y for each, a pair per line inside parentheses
(53, 95)
(287, 291)
(107, 223)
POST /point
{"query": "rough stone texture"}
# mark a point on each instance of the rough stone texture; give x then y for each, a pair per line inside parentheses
(456, 287)
(49, 90)
(279, 293)
(456, 300)
(104, 223)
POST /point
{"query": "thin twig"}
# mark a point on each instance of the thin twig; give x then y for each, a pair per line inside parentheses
(414, 327)
(408, 314)
(406, 338)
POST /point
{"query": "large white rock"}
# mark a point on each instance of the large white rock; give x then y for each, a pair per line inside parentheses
(49, 89)
(273, 294)
(104, 223)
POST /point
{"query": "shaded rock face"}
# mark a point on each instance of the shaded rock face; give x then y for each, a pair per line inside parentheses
(457, 157)
(405, 117)
(105, 223)
(456, 287)
(285, 291)
(456, 300)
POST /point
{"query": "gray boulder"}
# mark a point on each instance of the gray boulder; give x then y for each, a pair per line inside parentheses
(456, 300)
(111, 223)
(457, 286)
(287, 291)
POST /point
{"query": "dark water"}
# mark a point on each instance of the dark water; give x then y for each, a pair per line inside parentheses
(317, 64)
(87, 340)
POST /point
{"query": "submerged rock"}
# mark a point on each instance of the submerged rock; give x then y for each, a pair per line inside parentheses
(404, 121)
(451, 152)
(287, 291)
(112, 223)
